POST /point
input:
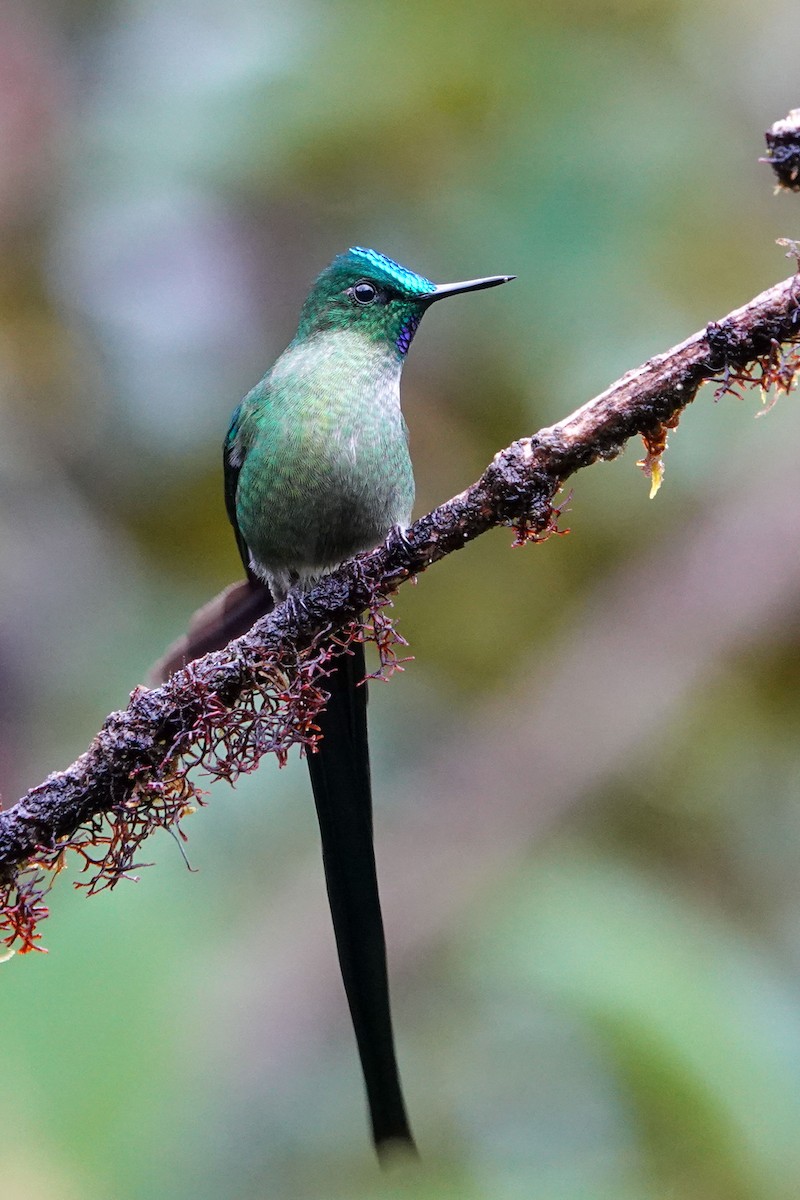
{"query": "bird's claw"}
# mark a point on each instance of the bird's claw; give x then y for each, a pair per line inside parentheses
(296, 605)
(398, 536)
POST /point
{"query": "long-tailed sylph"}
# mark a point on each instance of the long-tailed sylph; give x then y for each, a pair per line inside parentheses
(316, 470)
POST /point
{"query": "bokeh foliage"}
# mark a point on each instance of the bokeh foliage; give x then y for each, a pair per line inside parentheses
(596, 962)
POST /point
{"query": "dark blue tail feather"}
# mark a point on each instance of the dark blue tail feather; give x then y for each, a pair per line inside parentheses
(340, 777)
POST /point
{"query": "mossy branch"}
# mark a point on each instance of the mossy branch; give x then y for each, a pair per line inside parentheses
(262, 693)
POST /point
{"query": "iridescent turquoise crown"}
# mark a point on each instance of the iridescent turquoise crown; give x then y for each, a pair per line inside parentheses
(386, 271)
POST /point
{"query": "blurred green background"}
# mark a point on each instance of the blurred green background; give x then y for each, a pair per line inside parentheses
(587, 782)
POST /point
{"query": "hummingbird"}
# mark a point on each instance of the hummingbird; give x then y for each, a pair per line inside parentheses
(317, 469)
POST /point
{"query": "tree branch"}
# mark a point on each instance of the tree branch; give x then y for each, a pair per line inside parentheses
(261, 694)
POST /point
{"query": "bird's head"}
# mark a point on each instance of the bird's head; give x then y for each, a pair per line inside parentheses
(366, 291)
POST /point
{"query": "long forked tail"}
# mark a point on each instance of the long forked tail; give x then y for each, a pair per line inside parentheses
(228, 615)
(340, 777)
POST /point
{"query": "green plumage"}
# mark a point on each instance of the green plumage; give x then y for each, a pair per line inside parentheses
(325, 470)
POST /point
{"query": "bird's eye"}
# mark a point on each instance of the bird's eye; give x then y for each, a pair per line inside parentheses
(364, 292)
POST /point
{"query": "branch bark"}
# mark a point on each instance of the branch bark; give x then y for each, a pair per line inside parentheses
(229, 703)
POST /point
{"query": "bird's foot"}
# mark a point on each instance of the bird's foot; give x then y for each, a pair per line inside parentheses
(296, 605)
(398, 536)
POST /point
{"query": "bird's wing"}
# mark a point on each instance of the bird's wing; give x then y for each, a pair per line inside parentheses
(233, 452)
